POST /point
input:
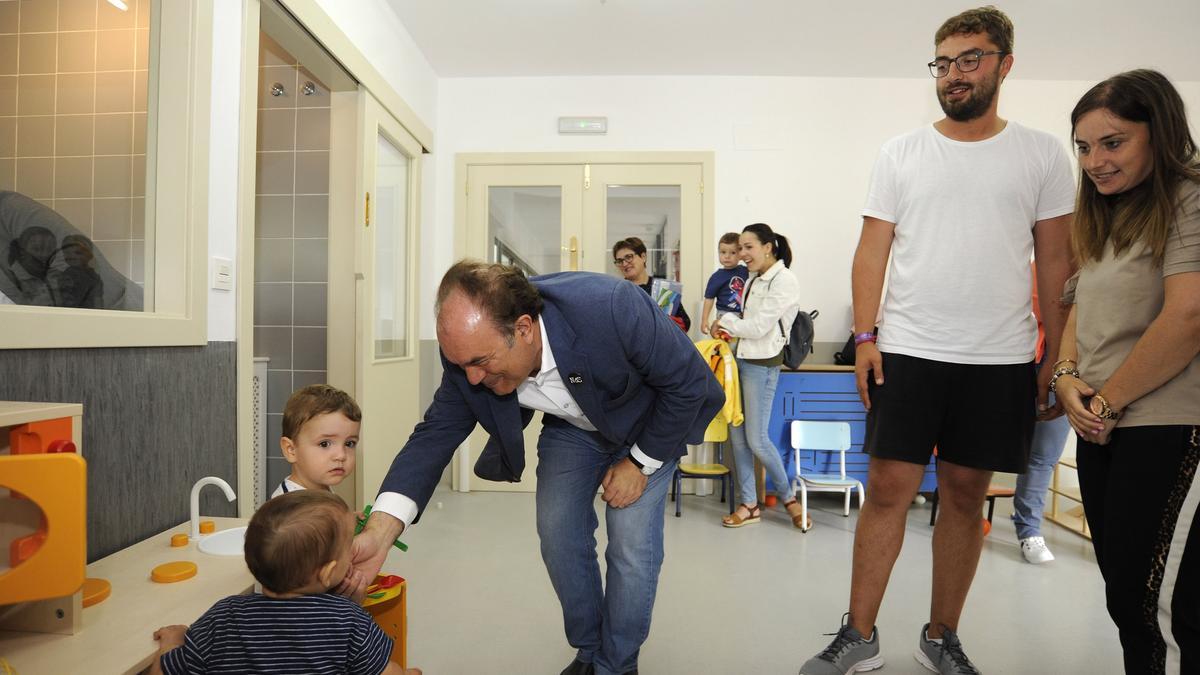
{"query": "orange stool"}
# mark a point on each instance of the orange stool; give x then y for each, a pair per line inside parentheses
(389, 609)
(994, 492)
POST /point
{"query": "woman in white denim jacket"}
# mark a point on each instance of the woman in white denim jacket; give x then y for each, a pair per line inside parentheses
(769, 307)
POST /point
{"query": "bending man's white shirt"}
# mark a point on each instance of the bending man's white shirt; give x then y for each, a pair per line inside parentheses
(546, 392)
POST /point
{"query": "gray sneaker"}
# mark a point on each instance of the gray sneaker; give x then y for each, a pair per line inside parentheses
(947, 657)
(849, 652)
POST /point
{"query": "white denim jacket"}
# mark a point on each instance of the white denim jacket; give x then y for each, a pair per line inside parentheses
(773, 297)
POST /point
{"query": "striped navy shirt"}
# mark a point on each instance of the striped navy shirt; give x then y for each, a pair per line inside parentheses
(323, 633)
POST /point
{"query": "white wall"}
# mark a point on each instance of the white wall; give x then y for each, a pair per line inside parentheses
(372, 25)
(374, 28)
(223, 161)
(792, 152)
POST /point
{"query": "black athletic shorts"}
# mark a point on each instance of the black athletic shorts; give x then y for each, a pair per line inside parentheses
(979, 416)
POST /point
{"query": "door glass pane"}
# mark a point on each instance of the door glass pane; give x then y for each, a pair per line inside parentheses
(651, 214)
(524, 228)
(390, 222)
(73, 148)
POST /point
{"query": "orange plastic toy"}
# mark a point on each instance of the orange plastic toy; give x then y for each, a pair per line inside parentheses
(36, 438)
(386, 601)
(52, 560)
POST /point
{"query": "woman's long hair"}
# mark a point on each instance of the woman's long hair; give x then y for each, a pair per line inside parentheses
(1144, 213)
(778, 242)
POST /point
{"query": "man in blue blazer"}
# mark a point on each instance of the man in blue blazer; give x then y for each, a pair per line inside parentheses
(623, 392)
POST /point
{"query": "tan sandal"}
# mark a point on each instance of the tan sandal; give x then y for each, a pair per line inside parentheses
(734, 520)
(802, 526)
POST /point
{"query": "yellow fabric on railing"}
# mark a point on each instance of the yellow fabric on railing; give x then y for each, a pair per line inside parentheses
(720, 359)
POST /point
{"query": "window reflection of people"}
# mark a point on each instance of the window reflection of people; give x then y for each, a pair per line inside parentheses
(79, 285)
(47, 261)
(629, 255)
(28, 266)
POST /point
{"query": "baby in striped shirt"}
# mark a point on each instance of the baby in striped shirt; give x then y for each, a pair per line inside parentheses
(298, 547)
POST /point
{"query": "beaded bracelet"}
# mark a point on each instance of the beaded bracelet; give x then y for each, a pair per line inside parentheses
(860, 338)
(1073, 372)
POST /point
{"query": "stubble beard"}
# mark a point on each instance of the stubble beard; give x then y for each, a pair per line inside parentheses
(976, 104)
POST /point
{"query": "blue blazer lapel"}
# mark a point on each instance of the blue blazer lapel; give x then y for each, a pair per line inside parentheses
(573, 368)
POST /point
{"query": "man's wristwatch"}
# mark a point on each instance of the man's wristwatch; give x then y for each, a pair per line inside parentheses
(1100, 408)
(646, 470)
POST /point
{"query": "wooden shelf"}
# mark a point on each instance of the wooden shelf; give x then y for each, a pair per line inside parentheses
(13, 413)
(1071, 493)
(1073, 518)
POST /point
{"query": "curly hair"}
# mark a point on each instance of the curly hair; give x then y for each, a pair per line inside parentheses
(314, 400)
(987, 19)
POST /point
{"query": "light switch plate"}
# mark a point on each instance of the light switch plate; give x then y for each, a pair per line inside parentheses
(222, 274)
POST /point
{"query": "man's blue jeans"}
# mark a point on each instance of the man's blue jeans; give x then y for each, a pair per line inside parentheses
(608, 623)
(1049, 438)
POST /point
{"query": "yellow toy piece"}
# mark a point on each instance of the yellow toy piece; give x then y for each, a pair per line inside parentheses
(56, 566)
(169, 573)
(95, 591)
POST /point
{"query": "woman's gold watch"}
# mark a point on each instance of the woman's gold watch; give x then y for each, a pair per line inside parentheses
(1100, 408)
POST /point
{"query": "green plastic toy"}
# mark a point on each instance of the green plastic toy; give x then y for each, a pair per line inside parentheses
(363, 521)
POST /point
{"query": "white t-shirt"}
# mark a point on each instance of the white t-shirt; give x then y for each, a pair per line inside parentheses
(289, 485)
(959, 284)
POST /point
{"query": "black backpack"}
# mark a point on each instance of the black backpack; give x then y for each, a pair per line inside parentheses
(800, 339)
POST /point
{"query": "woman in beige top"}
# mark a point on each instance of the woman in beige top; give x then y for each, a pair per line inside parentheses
(1129, 379)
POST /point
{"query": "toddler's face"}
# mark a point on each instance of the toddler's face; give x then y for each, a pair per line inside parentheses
(323, 452)
(728, 255)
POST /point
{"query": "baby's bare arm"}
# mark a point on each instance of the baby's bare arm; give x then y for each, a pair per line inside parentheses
(169, 637)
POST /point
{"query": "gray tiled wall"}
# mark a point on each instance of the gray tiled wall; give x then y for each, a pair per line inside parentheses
(155, 420)
(291, 247)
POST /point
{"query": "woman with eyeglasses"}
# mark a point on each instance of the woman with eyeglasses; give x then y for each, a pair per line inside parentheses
(629, 256)
(1129, 374)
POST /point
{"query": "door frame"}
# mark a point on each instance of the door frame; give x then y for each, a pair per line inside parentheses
(461, 465)
(341, 362)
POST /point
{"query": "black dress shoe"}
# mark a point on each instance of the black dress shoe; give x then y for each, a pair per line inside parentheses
(578, 667)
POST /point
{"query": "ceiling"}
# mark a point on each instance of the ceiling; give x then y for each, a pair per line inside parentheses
(1055, 39)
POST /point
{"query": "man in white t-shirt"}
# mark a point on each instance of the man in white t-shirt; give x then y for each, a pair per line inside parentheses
(960, 207)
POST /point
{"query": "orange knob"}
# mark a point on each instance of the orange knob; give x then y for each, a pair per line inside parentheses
(207, 527)
(179, 540)
(171, 572)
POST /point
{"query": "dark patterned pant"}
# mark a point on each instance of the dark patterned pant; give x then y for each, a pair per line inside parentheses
(1141, 494)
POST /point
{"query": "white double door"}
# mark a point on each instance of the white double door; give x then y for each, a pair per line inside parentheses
(551, 217)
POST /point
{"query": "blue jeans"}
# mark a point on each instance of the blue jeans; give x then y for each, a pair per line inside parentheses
(1049, 438)
(606, 624)
(751, 439)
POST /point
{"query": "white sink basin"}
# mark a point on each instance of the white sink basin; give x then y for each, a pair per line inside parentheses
(225, 542)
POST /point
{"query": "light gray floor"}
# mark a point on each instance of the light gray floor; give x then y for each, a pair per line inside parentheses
(753, 600)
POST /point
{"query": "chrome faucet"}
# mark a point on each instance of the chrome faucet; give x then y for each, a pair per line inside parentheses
(195, 513)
